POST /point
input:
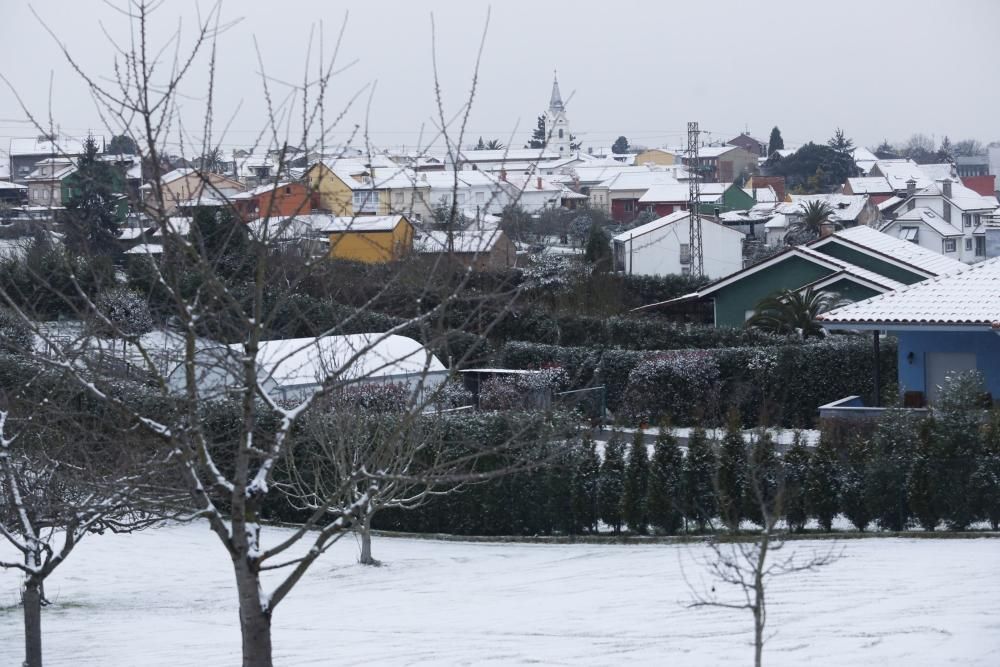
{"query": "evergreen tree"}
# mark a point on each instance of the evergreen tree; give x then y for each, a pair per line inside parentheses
(557, 498)
(923, 486)
(620, 146)
(959, 436)
(731, 478)
(892, 453)
(612, 482)
(699, 479)
(598, 248)
(636, 486)
(839, 142)
(796, 472)
(822, 489)
(122, 144)
(986, 479)
(91, 215)
(946, 151)
(540, 137)
(775, 143)
(885, 151)
(664, 498)
(584, 490)
(480, 145)
(854, 483)
(764, 480)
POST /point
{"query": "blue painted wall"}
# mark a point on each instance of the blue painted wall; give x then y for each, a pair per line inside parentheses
(985, 344)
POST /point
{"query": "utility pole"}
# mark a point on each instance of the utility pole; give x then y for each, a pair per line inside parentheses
(694, 201)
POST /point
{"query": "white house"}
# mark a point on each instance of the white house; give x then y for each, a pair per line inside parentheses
(945, 217)
(663, 247)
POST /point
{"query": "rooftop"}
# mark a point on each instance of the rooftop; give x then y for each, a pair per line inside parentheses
(968, 298)
(921, 258)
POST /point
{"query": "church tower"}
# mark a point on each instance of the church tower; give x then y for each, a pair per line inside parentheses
(556, 123)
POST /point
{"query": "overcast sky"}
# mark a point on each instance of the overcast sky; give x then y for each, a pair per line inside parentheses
(881, 69)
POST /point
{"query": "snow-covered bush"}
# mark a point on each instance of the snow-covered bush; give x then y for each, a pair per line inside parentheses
(127, 312)
(376, 398)
(510, 392)
(15, 335)
(682, 384)
(453, 394)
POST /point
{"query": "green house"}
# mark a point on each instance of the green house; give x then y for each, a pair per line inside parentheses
(855, 264)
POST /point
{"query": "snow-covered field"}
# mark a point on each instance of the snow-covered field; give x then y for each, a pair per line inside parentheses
(166, 597)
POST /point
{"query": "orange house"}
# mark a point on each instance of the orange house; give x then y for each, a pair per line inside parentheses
(274, 200)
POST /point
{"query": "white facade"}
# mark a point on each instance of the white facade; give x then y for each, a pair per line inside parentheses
(946, 217)
(663, 247)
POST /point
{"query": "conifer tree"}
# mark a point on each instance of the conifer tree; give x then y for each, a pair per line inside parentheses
(636, 484)
(986, 479)
(822, 488)
(764, 482)
(922, 488)
(854, 469)
(731, 478)
(91, 215)
(612, 482)
(699, 479)
(775, 143)
(586, 476)
(958, 431)
(892, 452)
(796, 471)
(665, 493)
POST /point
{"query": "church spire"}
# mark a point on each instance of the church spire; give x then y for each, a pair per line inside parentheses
(555, 102)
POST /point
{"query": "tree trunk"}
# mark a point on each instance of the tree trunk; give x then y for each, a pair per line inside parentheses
(366, 540)
(255, 620)
(31, 598)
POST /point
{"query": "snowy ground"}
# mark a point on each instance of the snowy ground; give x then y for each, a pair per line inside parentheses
(165, 597)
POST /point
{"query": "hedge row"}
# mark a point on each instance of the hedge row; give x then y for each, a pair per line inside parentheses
(780, 384)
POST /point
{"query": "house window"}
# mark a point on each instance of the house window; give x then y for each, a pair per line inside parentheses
(365, 201)
(685, 270)
(461, 198)
(629, 206)
(480, 197)
(397, 197)
(685, 253)
(560, 133)
(967, 219)
(978, 219)
(968, 244)
(949, 245)
(909, 234)
(288, 189)
(980, 246)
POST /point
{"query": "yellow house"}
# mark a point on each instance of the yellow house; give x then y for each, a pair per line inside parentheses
(376, 239)
(350, 190)
(657, 156)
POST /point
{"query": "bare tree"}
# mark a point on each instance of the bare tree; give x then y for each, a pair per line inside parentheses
(53, 496)
(748, 562)
(223, 291)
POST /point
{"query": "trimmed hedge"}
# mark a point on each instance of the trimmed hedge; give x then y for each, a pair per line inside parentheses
(779, 384)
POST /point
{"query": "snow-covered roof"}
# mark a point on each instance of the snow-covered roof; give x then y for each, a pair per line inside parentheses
(929, 218)
(871, 185)
(659, 223)
(260, 189)
(765, 195)
(508, 155)
(889, 203)
(311, 361)
(468, 241)
(679, 192)
(7, 185)
(848, 267)
(846, 208)
(146, 249)
(321, 223)
(638, 180)
(971, 297)
(899, 171)
(961, 196)
(926, 261)
(43, 146)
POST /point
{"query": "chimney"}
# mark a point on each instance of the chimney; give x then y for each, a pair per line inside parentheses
(911, 187)
(539, 182)
(826, 229)
(946, 187)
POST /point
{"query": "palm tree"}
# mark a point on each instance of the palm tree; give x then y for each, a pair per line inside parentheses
(815, 214)
(494, 145)
(789, 312)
